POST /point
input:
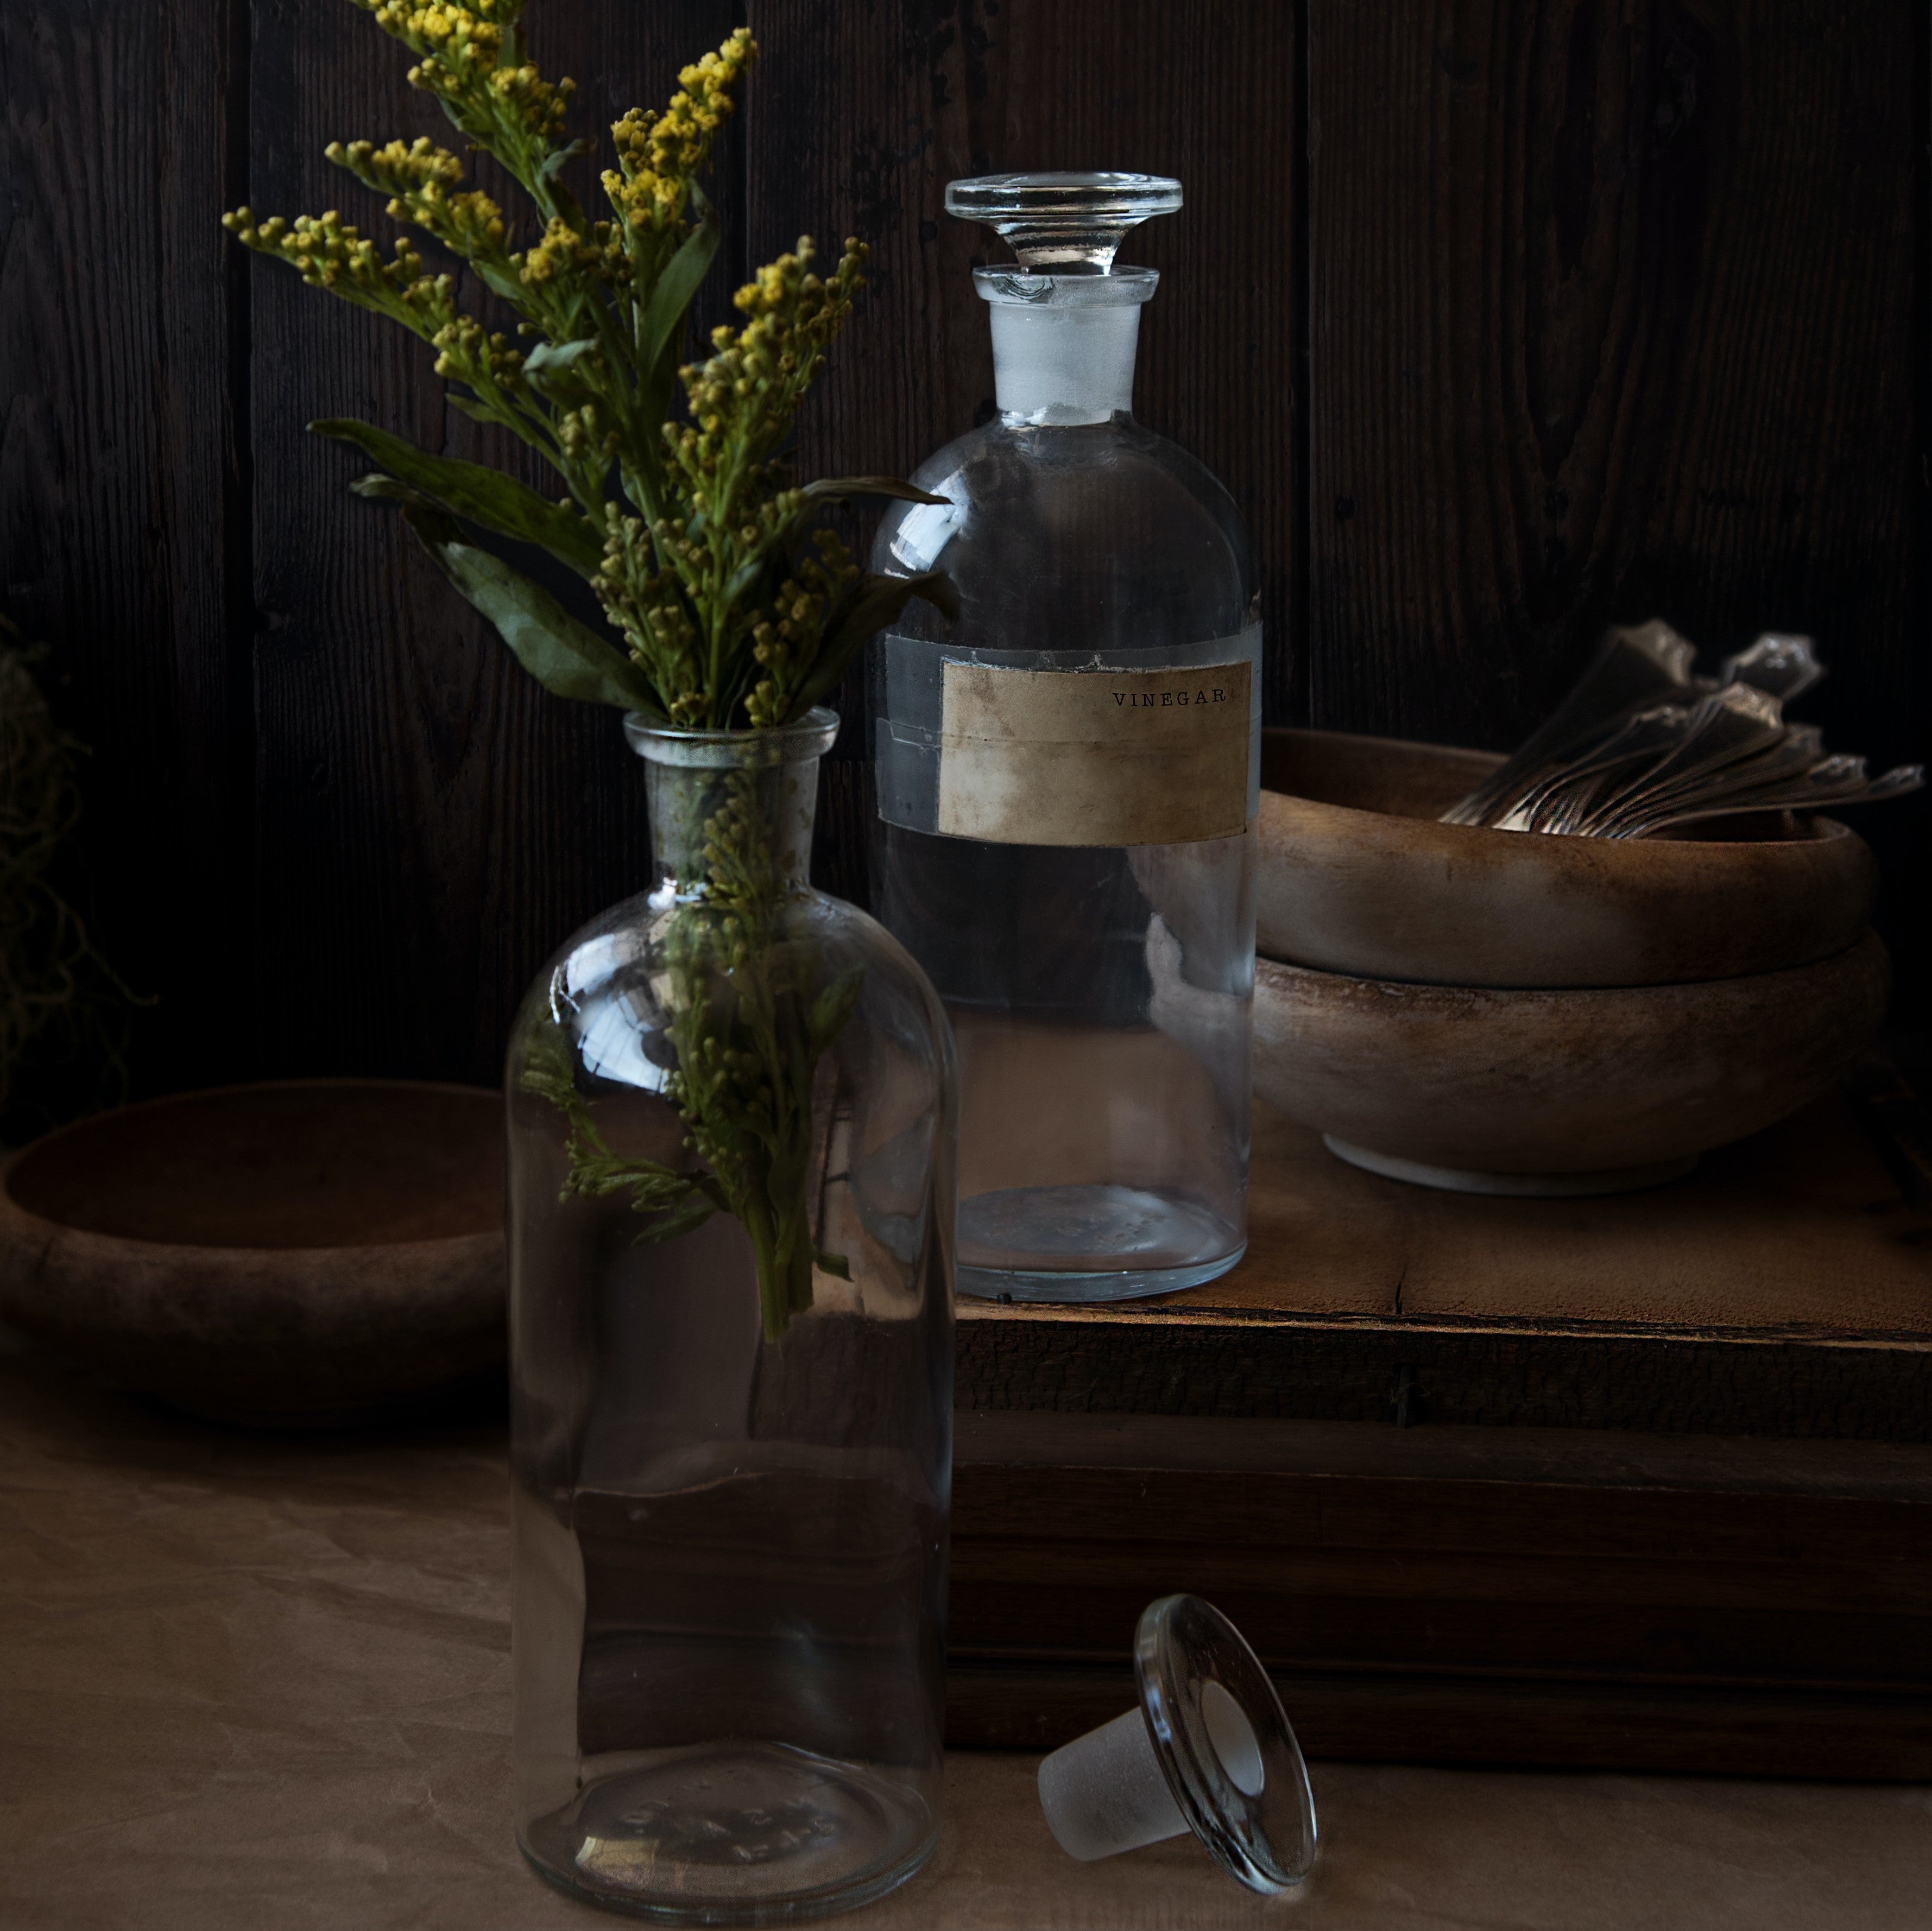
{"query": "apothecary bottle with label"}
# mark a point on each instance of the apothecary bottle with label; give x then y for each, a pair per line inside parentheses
(1068, 777)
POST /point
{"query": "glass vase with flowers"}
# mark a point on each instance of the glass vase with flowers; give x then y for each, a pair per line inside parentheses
(731, 1098)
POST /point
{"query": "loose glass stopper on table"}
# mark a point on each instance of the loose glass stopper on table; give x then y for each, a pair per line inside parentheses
(1209, 1750)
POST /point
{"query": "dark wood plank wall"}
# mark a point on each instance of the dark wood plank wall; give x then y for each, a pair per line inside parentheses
(1499, 319)
(121, 461)
(429, 825)
(900, 105)
(1611, 317)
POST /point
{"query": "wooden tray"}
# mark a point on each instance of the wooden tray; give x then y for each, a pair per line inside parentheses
(1644, 1482)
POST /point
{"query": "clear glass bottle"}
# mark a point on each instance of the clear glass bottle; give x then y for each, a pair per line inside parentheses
(732, 1426)
(1068, 777)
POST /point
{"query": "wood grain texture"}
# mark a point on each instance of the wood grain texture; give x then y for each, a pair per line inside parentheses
(1610, 318)
(1565, 309)
(1417, 1595)
(119, 469)
(1784, 1289)
(863, 112)
(1399, 1717)
(432, 825)
(1540, 1376)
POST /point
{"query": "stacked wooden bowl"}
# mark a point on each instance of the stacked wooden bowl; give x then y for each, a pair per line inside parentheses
(1509, 1012)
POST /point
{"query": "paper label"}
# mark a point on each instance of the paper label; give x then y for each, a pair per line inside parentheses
(1094, 757)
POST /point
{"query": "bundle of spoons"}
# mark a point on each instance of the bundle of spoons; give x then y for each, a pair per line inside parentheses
(1642, 744)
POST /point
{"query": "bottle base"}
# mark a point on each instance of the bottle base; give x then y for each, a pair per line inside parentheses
(1089, 1243)
(734, 1833)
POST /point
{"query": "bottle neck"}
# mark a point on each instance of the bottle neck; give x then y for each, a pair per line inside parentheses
(1066, 366)
(1064, 346)
(732, 811)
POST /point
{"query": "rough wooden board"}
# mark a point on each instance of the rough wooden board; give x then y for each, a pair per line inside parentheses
(432, 825)
(1798, 1229)
(1785, 1289)
(1481, 1595)
(1047, 1105)
(1591, 331)
(1323, 1237)
(1801, 1230)
(1403, 1717)
(1321, 1369)
(284, 703)
(1602, 1549)
(901, 101)
(1337, 1570)
(1567, 1458)
(1610, 317)
(123, 454)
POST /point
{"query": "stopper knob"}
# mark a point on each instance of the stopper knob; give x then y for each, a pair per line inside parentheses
(1209, 1749)
(1063, 224)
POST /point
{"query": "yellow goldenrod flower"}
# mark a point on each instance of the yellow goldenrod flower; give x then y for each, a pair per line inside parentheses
(660, 154)
(691, 533)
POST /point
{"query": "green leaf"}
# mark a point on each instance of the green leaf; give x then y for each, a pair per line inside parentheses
(567, 658)
(478, 130)
(658, 326)
(552, 194)
(504, 281)
(742, 578)
(551, 370)
(548, 357)
(833, 1007)
(835, 1264)
(484, 495)
(840, 489)
(837, 489)
(558, 159)
(696, 1209)
(878, 603)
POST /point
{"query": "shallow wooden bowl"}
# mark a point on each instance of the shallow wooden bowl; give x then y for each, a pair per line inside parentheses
(315, 1253)
(1355, 876)
(1565, 1091)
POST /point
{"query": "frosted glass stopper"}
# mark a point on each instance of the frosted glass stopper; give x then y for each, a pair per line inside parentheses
(1209, 1749)
(1063, 224)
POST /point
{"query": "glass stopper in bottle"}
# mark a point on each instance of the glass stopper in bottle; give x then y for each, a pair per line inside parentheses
(1063, 224)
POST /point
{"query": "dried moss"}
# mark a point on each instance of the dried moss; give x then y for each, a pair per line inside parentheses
(61, 1005)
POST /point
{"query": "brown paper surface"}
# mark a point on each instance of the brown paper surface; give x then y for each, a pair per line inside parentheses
(1093, 757)
(248, 1681)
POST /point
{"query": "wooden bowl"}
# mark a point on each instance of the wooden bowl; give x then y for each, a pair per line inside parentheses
(1354, 876)
(1556, 1092)
(316, 1253)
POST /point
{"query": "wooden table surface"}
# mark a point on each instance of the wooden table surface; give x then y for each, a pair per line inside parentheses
(1783, 1289)
(253, 1681)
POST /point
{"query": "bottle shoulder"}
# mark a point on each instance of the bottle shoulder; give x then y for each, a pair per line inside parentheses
(1107, 529)
(610, 993)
